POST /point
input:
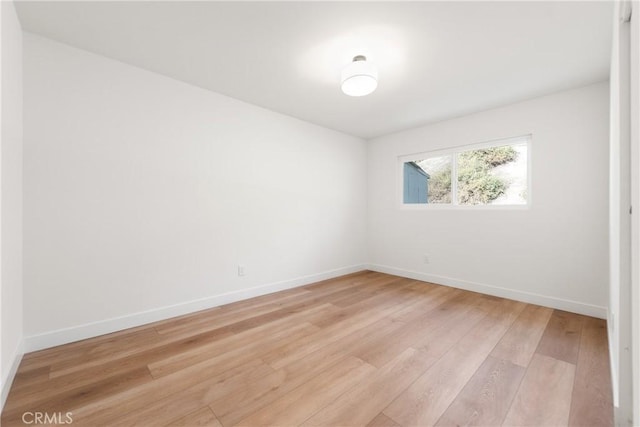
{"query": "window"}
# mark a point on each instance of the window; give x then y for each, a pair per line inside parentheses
(495, 173)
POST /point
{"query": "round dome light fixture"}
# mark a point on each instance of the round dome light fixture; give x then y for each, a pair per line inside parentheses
(359, 78)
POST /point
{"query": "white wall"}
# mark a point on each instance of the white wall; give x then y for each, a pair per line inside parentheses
(635, 201)
(620, 227)
(142, 194)
(11, 197)
(555, 253)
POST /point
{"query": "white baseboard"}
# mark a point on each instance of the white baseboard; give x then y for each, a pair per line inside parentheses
(528, 297)
(8, 380)
(90, 330)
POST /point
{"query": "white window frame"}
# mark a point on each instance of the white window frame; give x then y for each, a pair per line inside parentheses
(453, 152)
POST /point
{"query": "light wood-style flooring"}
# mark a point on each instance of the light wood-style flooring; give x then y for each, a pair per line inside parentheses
(364, 349)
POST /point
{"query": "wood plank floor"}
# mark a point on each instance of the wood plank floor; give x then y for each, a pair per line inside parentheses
(363, 349)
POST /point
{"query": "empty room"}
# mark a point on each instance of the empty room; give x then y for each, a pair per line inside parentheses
(340, 213)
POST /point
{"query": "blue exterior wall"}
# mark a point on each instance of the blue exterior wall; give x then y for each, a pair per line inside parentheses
(416, 184)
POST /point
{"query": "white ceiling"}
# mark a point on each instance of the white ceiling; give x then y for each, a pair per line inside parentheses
(436, 59)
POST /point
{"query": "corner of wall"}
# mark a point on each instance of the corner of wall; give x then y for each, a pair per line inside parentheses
(7, 381)
(11, 143)
(612, 360)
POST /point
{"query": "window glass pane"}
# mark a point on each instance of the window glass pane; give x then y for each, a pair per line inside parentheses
(428, 180)
(493, 176)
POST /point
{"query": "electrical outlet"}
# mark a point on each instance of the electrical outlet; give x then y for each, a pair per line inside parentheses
(425, 259)
(240, 270)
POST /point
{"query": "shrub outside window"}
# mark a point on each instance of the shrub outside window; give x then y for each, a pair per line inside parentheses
(489, 174)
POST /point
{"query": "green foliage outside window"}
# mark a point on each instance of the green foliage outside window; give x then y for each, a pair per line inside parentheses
(476, 183)
(440, 186)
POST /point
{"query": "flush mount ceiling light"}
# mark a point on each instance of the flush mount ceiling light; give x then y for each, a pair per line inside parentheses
(359, 78)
